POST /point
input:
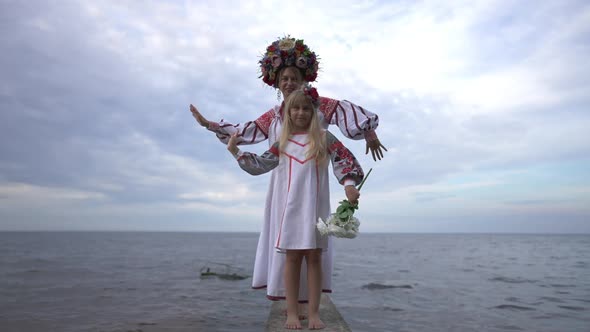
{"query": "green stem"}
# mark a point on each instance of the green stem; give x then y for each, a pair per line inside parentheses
(364, 179)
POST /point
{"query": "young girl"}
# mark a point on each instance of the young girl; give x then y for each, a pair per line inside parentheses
(301, 195)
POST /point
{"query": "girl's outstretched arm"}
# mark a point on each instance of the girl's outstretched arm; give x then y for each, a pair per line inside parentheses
(251, 162)
(232, 144)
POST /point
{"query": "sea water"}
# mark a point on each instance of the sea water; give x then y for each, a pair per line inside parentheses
(126, 281)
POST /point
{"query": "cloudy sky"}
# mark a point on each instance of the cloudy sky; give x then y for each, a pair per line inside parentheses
(483, 106)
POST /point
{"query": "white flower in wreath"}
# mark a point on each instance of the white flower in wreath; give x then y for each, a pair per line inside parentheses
(276, 61)
(286, 44)
(301, 62)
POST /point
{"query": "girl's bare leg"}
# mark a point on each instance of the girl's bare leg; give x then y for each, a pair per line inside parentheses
(314, 281)
(302, 310)
(292, 271)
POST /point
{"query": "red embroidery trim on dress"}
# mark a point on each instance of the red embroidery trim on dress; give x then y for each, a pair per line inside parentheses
(327, 107)
(297, 160)
(264, 121)
(297, 143)
(274, 150)
(335, 146)
(285, 209)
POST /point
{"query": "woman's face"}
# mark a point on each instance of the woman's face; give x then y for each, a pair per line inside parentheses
(289, 81)
(300, 116)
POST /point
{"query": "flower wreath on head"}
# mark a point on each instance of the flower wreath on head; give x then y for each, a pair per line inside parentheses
(286, 52)
(312, 93)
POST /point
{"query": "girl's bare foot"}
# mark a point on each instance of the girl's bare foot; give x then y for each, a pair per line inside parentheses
(301, 316)
(302, 307)
(315, 323)
(293, 323)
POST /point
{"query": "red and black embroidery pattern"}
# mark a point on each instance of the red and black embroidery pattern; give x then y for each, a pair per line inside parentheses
(344, 162)
(327, 107)
(264, 121)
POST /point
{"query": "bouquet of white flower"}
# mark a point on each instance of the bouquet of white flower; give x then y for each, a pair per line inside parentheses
(342, 223)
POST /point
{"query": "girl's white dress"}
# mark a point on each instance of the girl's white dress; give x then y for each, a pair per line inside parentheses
(354, 122)
(301, 193)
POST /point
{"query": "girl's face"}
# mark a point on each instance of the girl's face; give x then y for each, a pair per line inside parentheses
(289, 81)
(300, 116)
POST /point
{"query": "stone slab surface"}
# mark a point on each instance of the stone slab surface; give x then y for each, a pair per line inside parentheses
(328, 313)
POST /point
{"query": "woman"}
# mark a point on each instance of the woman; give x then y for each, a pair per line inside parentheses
(287, 64)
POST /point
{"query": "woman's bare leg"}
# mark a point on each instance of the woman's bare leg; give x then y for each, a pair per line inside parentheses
(292, 271)
(314, 282)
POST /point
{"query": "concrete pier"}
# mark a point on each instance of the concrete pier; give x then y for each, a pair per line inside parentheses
(328, 313)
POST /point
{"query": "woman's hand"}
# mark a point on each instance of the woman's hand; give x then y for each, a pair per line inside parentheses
(200, 118)
(375, 147)
(232, 145)
(352, 194)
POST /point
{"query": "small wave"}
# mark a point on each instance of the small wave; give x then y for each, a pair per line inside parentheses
(24, 273)
(513, 307)
(551, 299)
(550, 316)
(517, 300)
(559, 286)
(509, 328)
(582, 300)
(581, 265)
(393, 309)
(375, 286)
(569, 307)
(562, 286)
(33, 271)
(513, 280)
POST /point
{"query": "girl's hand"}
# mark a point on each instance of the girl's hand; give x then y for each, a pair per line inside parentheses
(232, 144)
(200, 118)
(352, 194)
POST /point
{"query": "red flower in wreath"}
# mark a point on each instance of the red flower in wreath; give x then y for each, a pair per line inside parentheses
(313, 94)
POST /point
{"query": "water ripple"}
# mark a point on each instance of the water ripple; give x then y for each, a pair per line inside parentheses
(377, 286)
(569, 307)
(516, 280)
(513, 307)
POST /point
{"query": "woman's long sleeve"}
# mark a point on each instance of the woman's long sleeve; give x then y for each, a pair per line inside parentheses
(344, 163)
(354, 121)
(251, 132)
(255, 164)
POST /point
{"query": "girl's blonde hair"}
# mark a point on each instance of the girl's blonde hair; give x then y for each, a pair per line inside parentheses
(317, 140)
